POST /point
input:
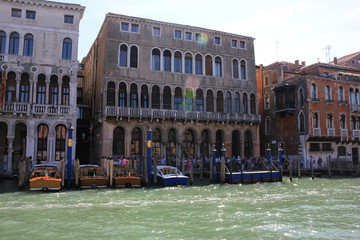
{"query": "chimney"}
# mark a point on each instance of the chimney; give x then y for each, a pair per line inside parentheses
(335, 60)
(297, 63)
(303, 63)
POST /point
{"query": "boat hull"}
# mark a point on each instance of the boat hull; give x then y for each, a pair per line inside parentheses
(127, 181)
(93, 182)
(173, 180)
(43, 184)
(251, 177)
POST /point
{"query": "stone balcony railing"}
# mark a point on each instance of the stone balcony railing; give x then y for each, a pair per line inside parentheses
(179, 115)
(41, 109)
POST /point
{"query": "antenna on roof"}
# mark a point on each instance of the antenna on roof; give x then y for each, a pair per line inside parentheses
(327, 48)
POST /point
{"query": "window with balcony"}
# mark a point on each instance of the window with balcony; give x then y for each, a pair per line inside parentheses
(252, 103)
(243, 69)
(177, 62)
(133, 96)
(245, 104)
(60, 142)
(123, 55)
(208, 66)
(167, 60)
(219, 102)
(235, 69)
(14, 43)
(342, 121)
(209, 101)
(198, 64)
(65, 93)
(10, 94)
(189, 98)
(67, 48)
(144, 96)
(314, 93)
(133, 57)
(167, 98)
(122, 95)
(155, 97)
(328, 95)
(353, 122)
(54, 90)
(2, 42)
(315, 120)
(218, 67)
(329, 121)
(178, 99)
(199, 100)
(188, 63)
(155, 59)
(24, 88)
(42, 137)
(41, 89)
(237, 103)
(28, 45)
(351, 96)
(341, 95)
(228, 105)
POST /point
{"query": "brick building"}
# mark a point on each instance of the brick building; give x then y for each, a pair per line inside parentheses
(193, 87)
(313, 110)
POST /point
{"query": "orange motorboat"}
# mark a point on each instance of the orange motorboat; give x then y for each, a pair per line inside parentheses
(45, 177)
(124, 176)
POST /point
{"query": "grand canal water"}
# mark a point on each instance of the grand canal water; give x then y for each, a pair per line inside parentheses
(302, 209)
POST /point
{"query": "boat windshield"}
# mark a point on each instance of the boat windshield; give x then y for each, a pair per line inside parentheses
(123, 172)
(165, 171)
(45, 173)
(92, 172)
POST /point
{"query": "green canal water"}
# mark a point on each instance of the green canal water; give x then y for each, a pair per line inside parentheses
(302, 209)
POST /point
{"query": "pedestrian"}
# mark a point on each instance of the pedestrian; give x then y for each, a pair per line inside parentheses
(319, 162)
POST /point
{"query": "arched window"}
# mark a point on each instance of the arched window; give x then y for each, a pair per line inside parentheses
(329, 121)
(267, 101)
(267, 125)
(328, 97)
(14, 43)
(301, 97)
(54, 90)
(245, 104)
(155, 59)
(235, 144)
(133, 96)
(167, 98)
(341, 95)
(133, 57)
(353, 122)
(248, 145)
(357, 96)
(177, 62)
(219, 142)
(167, 60)
(144, 96)
(24, 88)
(189, 99)
(243, 69)
(301, 122)
(2, 42)
(28, 45)
(228, 102)
(136, 142)
(123, 55)
(235, 69)
(188, 145)
(199, 100)
(352, 96)
(315, 120)
(209, 101)
(178, 99)
(67, 48)
(122, 95)
(313, 92)
(342, 121)
(42, 136)
(198, 64)
(208, 66)
(219, 102)
(60, 142)
(252, 104)
(341, 151)
(171, 147)
(119, 141)
(156, 143)
(65, 94)
(218, 67)
(188, 63)
(237, 103)
(41, 89)
(155, 97)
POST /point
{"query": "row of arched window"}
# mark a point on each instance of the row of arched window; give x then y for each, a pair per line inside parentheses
(179, 62)
(180, 99)
(57, 93)
(42, 142)
(28, 45)
(354, 94)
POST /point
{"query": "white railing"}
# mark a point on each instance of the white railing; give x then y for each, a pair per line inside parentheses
(356, 133)
(344, 132)
(331, 132)
(316, 131)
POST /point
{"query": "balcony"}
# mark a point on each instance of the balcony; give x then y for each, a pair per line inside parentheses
(330, 132)
(344, 132)
(354, 107)
(179, 115)
(316, 131)
(36, 109)
(356, 133)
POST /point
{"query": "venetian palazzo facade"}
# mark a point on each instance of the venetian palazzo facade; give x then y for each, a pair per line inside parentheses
(38, 64)
(194, 88)
(313, 110)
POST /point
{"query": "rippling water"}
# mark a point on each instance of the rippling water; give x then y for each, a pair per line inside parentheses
(302, 209)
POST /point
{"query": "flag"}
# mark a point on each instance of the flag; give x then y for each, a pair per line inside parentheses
(2, 91)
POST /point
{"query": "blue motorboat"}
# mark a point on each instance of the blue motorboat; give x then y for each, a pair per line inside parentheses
(170, 176)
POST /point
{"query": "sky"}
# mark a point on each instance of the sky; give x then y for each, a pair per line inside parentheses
(284, 30)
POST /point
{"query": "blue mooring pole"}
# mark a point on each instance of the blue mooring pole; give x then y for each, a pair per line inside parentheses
(214, 163)
(69, 160)
(281, 149)
(149, 157)
(268, 151)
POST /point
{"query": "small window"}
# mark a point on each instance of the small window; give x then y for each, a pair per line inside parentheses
(267, 82)
(124, 26)
(285, 68)
(197, 37)
(156, 31)
(177, 34)
(242, 44)
(217, 41)
(234, 43)
(16, 12)
(30, 14)
(314, 147)
(69, 19)
(134, 27)
(188, 35)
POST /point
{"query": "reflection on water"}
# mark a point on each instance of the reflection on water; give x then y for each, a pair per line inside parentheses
(302, 209)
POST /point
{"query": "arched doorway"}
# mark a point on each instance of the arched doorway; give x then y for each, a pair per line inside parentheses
(171, 145)
(188, 145)
(248, 144)
(136, 143)
(118, 143)
(3, 146)
(205, 144)
(19, 145)
(235, 144)
(219, 142)
(156, 143)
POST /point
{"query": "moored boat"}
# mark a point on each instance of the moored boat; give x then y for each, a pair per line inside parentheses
(170, 176)
(124, 176)
(92, 176)
(45, 177)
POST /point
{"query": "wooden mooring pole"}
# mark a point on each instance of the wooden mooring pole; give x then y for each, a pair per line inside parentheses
(22, 173)
(76, 171)
(201, 168)
(222, 169)
(299, 167)
(191, 180)
(155, 170)
(329, 166)
(312, 168)
(111, 171)
(290, 170)
(62, 171)
(211, 170)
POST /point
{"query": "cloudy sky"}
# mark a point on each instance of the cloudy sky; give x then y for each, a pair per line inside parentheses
(285, 30)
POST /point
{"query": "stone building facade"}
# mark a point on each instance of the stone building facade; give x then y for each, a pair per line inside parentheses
(38, 63)
(195, 88)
